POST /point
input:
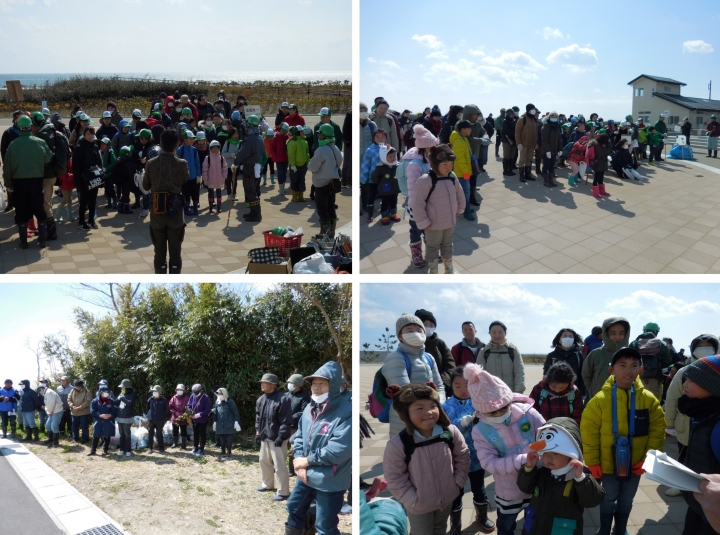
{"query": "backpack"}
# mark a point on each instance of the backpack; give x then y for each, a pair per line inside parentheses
(566, 150)
(494, 438)
(378, 402)
(401, 174)
(510, 352)
(409, 444)
(435, 179)
(62, 154)
(544, 394)
(649, 349)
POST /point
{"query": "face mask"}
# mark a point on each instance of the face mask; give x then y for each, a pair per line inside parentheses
(567, 342)
(532, 112)
(322, 398)
(122, 391)
(429, 331)
(22, 387)
(498, 419)
(363, 115)
(459, 116)
(225, 127)
(414, 339)
(220, 397)
(105, 395)
(43, 385)
(179, 392)
(156, 394)
(196, 392)
(291, 387)
(553, 120)
(700, 352)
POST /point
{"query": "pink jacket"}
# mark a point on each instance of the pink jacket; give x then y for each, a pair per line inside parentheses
(413, 172)
(505, 469)
(432, 479)
(177, 406)
(214, 173)
(444, 205)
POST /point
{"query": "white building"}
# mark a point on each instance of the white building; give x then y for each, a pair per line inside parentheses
(654, 95)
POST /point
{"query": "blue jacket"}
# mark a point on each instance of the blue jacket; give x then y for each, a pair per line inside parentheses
(592, 342)
(325, 438)
(157, 409)
(30, 401)
(102, 427)
(190, 155)
(370, 160)
(9, 406)
(455, 409)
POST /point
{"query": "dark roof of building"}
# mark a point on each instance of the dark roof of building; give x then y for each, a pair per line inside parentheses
(657, 79)
(691, 102)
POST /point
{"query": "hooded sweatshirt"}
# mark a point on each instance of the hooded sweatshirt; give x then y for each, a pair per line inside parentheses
(595, 368)
(226, 414)
(478, 135)
(324, 436)
(30, 400)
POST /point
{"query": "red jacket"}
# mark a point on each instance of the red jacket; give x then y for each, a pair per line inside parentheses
(177, 406)
(557, 405)
(295, 120)
(713, 129)
(462, 355)
(280, 148)
(67, 181)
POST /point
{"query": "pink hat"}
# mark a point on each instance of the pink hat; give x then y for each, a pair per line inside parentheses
(488, 393)
(423, 137)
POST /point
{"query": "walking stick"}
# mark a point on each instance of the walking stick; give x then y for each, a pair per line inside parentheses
(232, 190)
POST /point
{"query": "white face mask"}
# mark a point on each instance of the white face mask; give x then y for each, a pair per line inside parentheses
(22, 387)
(459, 116)
(220, 397)
(322, 398)
(179, 392)
(498, 419)
(414, 339)
(225, 127)
(156, 394)
(43, 385)
(291, 387)
(553, 119)
(700, 352)
(363, 115)
(532, 112)
(567, 342)
(429, 331)
(105, 394)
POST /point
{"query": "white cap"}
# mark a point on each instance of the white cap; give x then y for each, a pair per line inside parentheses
(105, 140)
(136, 112)
(45, 111)
(324, 112)
(284, 105)
(107, 115)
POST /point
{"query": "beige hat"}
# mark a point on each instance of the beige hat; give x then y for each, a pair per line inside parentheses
(181, 387)
(156, 388)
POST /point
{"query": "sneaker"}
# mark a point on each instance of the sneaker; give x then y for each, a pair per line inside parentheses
(673, 492)
(279, 498)
(83, 226)
(346, 509)
(92, 225)
(222, 459)
(653, 164)
(144, 213)
(263, 488)
(128, 454)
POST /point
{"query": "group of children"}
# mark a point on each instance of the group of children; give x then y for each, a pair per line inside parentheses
(550, 454)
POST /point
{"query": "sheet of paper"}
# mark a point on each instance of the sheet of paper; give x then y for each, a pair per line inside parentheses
(667, 471)
(122, 404)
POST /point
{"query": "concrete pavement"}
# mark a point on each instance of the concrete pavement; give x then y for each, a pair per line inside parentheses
(653, 513)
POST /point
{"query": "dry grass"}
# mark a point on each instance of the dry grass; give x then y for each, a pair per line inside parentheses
(174, 493)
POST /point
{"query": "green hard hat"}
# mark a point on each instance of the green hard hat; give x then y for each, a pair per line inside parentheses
(253, 120)
(654, 327)
(156, 115)
(628, 117)
(186, 111)
(145, 133)
(327, 130)
(24, 123)
(713, 116)
(278, 231)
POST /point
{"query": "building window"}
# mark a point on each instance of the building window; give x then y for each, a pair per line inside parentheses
(667, 89)
(672, 120)
(700, 121)
(639, 91)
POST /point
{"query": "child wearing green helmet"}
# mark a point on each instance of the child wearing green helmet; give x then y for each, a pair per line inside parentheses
(214, 171)
(325, 167)
(298, 158)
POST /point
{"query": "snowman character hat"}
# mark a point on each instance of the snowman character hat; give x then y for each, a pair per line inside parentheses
(559, 435)
(384, 151)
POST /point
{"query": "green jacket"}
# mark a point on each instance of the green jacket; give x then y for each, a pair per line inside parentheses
(109, 160)
(642, 136)
(298, 151)
(664, 357)
(338, 135)
(26, 157)
(499, 123)
(661, 127)
(654, 138)
(595, 366)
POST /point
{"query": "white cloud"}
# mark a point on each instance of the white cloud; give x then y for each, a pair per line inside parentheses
(658, 305)
(548, 33)
(429, 41)
(438, 55)
(473, 52)
(175, 2)
(6, 5)
(386, 63)
(485, 77)
(499, 297)
(206, 8)
(699, 46)
(371, 60)
(518, 60)
(574, 58)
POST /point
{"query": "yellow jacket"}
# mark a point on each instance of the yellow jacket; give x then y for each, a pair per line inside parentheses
(298, 151)
(461, 148)
(596, 425)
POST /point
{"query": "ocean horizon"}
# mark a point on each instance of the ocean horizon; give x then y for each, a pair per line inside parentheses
(39, 79)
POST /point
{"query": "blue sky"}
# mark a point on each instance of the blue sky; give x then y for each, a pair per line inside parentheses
(30, 311)
(534, 313)
(177, 35)
(573, 57)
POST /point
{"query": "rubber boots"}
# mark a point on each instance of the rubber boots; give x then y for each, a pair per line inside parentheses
(301, 196)
(13, 433)
(49, 441)
(196, 209)
(35, 435)
(602, 190)
(127, 210)
(175, 269)
(183, 443)
(546, 180)
(433, 266)
(264, 177)
(522, 174)
(69, 213)
(22, 232)
(186, 209)
(43, 234)
(455, 523)
(28, 434)
(417, 255)
(218, 205)
(160, 268)
(295, 196)
(255, 214)
(331, 230)
(528, 173)
(272, 178)
(56, 440)
(370, 210)
(449, 268)
(4, 432)
(293, 531)
(59, 213)
(596, 192)
(484, 523)
(550, 179)
(324, 228)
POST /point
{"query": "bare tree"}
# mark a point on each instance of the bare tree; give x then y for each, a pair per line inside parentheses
(103, 295)
(37, 351)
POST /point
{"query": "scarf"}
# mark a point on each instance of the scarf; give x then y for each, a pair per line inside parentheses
(699, 408)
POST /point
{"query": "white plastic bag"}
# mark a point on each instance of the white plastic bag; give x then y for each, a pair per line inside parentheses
(292, 232)
(313, 265)
(582, 167)
(138, 438)
(3, 198)
(167, 433)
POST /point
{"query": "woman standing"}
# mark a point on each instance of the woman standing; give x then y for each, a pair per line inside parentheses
(125, 403)
(86, 157)
(200, 406)
(503, 359)
(177, 407)
(567, 346)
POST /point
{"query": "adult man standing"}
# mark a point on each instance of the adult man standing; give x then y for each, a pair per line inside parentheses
(63, 390)
(713, 131)
(79, 401)
(468, 348)
(526, 137)
(686, 129)
(165, 175)
(44, 130)
(23, 170)
(660, 128)
(656, 356)
(273, 422)
(437, 347)
(507, 136)
(249, 157)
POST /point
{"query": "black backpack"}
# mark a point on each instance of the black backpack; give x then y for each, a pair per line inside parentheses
(435, 179)
(409, 444)
(510, 352)
(62, 154)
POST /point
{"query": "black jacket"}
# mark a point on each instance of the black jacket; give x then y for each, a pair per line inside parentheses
(157, 409)
(273, 416)
(128, 398)
(298, 402)
(8, 137)
(573, 357)
(106, 131)
(85, 156)
(280, 117)
(686, 129)
(347, 129)
(443, 359)
(123, 172)
(30, 400)
(508, 130)
(204, 110)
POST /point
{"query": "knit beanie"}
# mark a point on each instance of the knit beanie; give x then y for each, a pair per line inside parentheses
(425, 315)
(488, 393)
(409, 394)
(407, 319)
(423, 137)
(706, 373)
(439, 154)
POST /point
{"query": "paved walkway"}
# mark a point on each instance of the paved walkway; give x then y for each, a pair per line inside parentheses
(44, 501)
(122, 242)
(668, 224)
(653, 513)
